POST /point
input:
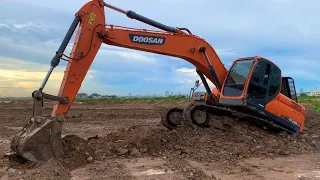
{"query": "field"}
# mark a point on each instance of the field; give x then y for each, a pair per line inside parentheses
(123, 139)
(311, 100)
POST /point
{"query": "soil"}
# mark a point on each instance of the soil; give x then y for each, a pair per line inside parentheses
(126, 140)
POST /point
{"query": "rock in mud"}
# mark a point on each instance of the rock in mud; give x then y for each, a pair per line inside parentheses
(90, 159)
(178, 152)
(122, 151)
(135, 152)
(314, 144)
(144, 150)
(14, 172)
(315, 136)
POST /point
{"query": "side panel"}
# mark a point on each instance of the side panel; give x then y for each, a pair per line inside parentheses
(288, 110)
(293, 111)
(273, 106)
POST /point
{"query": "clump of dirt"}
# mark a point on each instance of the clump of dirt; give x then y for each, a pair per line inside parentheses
(76, 151)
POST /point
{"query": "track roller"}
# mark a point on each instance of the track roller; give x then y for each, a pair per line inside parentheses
(172, 118)
(195, 116)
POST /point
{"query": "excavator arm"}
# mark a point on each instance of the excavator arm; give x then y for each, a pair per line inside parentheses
(93, 31)
(40, 138)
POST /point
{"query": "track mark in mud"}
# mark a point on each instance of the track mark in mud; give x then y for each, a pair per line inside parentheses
(285, 168)
(110, 169)
(150, 168)
(188, 170)
(151, 172)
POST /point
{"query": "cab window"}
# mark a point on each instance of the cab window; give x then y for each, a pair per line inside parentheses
(275, 81)
(260, 78)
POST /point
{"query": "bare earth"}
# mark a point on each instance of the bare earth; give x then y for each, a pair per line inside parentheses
(125, 140)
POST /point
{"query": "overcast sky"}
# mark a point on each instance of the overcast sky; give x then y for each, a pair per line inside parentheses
(284, 31)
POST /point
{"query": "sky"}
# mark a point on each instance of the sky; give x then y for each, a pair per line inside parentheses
(284, 31)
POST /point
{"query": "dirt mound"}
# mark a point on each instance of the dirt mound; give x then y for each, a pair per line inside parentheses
(76, 151)
(203, 144)
(142, 137)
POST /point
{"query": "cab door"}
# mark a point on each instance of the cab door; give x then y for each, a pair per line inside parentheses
(264, 84)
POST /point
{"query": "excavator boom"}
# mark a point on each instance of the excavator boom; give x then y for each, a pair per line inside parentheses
(93, 32)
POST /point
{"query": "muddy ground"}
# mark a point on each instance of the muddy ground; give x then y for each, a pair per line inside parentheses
(125, 140)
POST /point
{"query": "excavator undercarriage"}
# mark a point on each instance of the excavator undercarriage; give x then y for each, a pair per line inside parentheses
(200, 115)
(210, 114)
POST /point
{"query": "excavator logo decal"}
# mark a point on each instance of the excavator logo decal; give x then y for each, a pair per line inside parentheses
(92, 18)
(290, 120)
(150, 40)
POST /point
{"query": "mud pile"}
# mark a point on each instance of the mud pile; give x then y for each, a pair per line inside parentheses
(238, 142)
(223, 147)
(76, 151)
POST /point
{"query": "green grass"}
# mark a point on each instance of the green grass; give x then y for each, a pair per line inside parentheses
(171, 98)
(311, 99)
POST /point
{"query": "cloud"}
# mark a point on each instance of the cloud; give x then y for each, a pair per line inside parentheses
(226, 52)
(21, 78)
(190, 76)
(285, 32)
(4, 25)
(129, 56)
(302, 74)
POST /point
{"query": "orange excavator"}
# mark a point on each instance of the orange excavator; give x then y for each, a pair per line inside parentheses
(253, 88)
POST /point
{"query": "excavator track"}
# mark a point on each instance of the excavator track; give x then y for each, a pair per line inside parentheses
(202, 115)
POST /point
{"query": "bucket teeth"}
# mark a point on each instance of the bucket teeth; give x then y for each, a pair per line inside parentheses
(39, 139)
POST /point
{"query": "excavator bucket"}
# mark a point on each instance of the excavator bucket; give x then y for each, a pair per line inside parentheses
(39, 139)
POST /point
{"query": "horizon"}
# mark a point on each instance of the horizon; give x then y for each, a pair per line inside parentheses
(234, 29)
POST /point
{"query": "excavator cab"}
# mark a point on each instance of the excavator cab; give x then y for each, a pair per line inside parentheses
(255, 86)
(253, 80)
